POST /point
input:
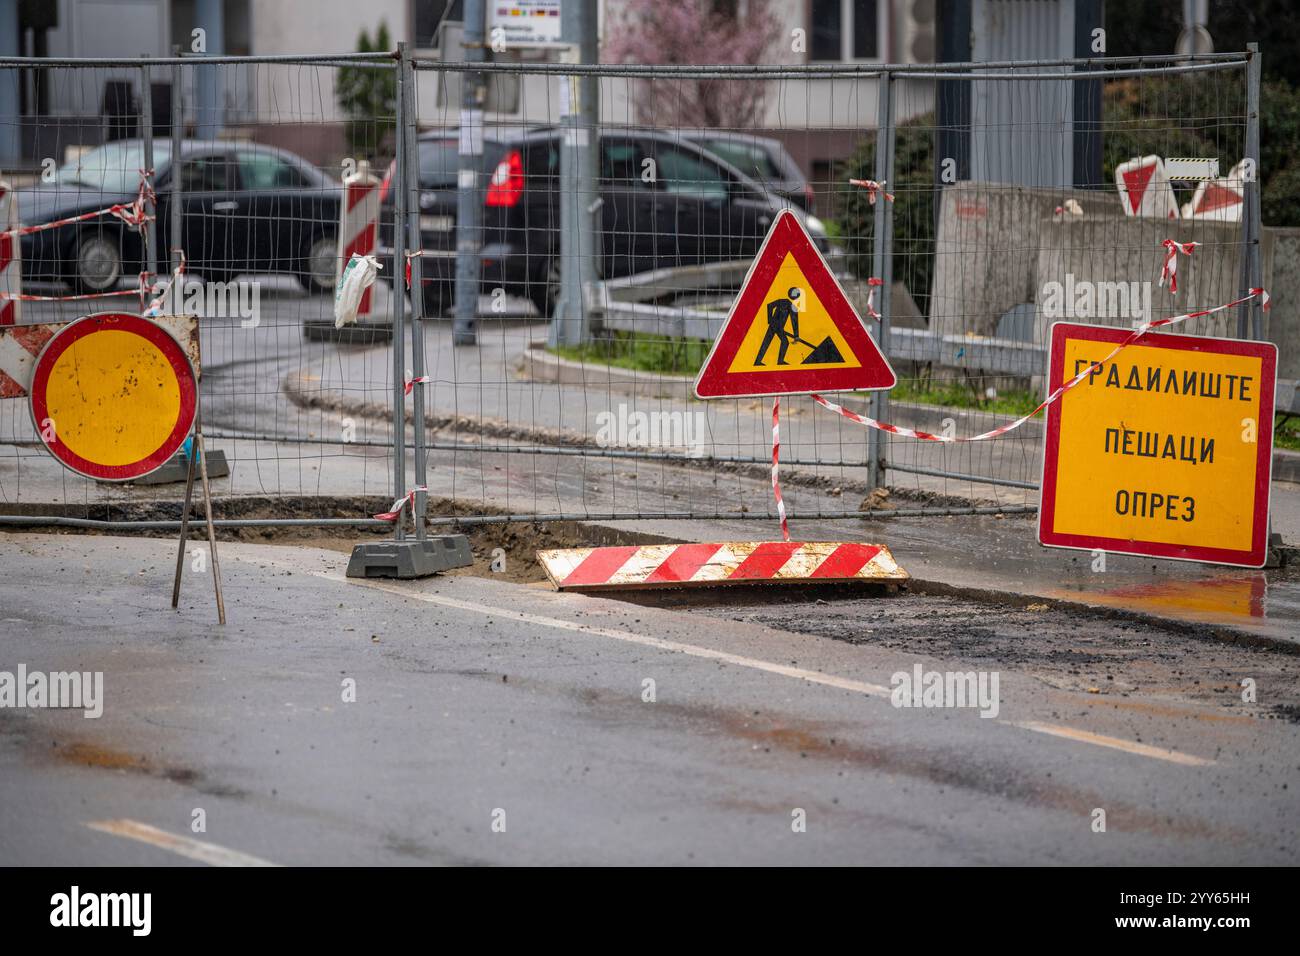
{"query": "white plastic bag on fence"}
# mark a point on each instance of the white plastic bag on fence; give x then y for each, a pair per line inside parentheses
(358, 276)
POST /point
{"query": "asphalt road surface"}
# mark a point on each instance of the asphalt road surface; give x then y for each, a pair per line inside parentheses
(496, 722)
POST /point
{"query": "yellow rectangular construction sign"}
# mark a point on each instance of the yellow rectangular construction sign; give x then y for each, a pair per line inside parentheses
(1165, 450)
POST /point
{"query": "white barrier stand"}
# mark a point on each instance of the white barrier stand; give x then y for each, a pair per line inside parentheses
(1219, 200)
(358, 216)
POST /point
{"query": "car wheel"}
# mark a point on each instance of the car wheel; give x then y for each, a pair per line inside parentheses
(544, 292)
(319, 264)
(97, 263)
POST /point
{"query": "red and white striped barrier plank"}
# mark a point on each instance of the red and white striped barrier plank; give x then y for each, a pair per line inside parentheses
(20, 344)
(358, 219)
(11, 270)
(732, 562)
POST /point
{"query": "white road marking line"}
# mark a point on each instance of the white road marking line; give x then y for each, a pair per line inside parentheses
(1115, 743)
(208, 853)
(829, 680)
(694, 650)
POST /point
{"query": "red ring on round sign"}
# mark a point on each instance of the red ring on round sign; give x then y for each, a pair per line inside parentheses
(176, 358)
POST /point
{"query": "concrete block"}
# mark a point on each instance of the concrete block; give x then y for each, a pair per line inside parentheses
(177, 469)
(986, 248)
(411, 558)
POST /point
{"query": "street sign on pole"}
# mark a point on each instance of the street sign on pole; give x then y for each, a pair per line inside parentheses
(1165, 451)
(525, 24)
(792, 330)
(113, 396)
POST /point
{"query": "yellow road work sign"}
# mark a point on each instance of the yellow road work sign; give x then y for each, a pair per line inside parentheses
(791, 330)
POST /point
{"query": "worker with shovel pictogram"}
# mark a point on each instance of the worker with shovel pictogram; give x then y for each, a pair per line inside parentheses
(779, 311)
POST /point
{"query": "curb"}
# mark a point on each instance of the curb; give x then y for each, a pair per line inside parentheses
(539, 365)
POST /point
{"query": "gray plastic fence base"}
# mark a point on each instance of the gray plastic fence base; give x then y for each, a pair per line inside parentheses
(175, 470)
(410, 558)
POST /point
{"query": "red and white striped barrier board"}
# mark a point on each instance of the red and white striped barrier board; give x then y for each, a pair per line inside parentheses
(358, 215)
(732, 562)
(20, 345)
(11, 280)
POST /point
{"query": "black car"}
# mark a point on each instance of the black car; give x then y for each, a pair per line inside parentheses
(762, 158)
(665, 202)
(245, 208)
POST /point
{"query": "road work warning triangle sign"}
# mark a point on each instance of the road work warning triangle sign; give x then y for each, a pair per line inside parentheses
(792, 330)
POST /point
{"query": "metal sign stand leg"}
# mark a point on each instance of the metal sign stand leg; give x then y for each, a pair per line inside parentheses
(197, 453)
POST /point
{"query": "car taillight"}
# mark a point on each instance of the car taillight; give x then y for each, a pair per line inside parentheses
(507, 182)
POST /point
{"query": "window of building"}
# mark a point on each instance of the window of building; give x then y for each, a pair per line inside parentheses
(429, 16)
(846, 30)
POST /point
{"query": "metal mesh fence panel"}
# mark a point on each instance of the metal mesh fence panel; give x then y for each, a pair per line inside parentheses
(250, 193)
(573, 239)
(1009, 217)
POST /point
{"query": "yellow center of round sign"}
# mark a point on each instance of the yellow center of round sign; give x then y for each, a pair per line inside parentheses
(113, 396)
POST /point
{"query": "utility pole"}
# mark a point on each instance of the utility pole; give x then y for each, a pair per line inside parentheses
(469, 200)
(208, 91)
(579, 170)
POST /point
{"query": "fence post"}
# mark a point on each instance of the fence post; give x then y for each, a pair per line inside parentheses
(469, 203)
(407, 149)
(151, 259)
(1250, 318)
(401, 195)
(882, 267)
(579, 168)
(176, 240)
(425, 555)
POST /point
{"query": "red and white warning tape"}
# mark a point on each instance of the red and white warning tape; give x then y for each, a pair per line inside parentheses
(1170, 269)
(872, 187)
(776, 458)
(26, 297)
(398, 506)
(410, 383)
(1011, 426)
(132, 213)
(413, 254)
(158, 290)
(156, 305)
(872, 285)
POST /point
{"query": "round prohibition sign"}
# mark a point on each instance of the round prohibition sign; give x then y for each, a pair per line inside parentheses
(113, 396)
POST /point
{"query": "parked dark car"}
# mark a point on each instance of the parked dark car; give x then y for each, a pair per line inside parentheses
(762, 158)
(687, 207)
(245, 208)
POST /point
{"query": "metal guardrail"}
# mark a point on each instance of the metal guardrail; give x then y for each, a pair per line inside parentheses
(628, 304)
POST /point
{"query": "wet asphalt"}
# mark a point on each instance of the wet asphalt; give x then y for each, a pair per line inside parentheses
(501, 723)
